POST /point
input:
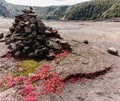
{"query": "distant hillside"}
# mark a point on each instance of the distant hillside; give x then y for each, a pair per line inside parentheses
(52, 12)
(94, 9)
(3, 10)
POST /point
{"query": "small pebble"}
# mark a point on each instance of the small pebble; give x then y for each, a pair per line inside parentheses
(113, 51)
(86, 42)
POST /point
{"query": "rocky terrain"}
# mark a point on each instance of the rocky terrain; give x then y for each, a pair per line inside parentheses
(89, 58)
(29, 37)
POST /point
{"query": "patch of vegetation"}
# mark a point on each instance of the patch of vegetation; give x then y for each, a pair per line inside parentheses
(25, 68)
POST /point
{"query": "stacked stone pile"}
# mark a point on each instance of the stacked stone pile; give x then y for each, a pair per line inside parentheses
(29, 37)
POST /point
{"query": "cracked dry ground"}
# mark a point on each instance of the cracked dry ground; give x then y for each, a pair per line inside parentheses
(89, 58)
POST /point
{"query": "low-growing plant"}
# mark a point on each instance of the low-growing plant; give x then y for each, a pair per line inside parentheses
(25, 68)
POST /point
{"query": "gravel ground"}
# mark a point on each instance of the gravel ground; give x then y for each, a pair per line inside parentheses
(99, 34)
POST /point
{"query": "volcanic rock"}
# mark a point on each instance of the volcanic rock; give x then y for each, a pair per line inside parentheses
(1, 35)
(86, 42)
(29, 37)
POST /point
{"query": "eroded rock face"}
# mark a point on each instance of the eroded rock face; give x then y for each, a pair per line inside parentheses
(29, 37)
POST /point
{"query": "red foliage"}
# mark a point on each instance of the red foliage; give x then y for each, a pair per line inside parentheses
(60, 55)
(30, 97)
(53, 85)
(34, 78)
(44, 71)
(11, 81)
(27, 89)
(19, 79)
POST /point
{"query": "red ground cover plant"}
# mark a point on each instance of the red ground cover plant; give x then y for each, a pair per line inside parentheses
(54, 84)
(60, 55)
(30, 97)
(44, 71)
(51, 83)
(27, 88)
(10, 81)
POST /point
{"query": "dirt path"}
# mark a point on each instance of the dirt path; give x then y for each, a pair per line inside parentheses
(99, 34)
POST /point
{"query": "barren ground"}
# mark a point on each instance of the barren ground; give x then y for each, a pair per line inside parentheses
(99, 34)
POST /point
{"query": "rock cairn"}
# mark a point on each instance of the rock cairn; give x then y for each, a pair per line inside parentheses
(29, 37)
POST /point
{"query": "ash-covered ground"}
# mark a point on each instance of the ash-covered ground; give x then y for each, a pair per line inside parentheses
(100, 35)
